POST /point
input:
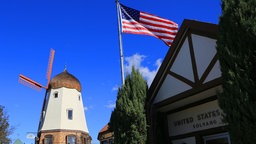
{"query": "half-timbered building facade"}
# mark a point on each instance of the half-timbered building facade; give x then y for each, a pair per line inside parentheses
(183, 105)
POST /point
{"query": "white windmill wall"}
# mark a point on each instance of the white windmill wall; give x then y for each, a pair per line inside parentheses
(56, 115)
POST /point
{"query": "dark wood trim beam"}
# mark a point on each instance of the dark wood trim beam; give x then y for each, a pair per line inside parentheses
(193, 59)
(181, 78)
(188, 93)
(208, 69)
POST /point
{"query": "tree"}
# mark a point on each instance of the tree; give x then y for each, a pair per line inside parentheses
(236, 48)
(5, 129)
(128, 120)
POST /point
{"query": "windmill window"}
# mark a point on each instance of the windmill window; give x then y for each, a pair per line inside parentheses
(71, 139)
(56, 95)
(79, 97)
(70, 114)
(48, 139)
(84, 140)
(43, 113)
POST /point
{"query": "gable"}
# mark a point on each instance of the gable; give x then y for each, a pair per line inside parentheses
(190, 63)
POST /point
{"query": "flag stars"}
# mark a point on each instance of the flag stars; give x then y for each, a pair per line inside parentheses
(129, 13)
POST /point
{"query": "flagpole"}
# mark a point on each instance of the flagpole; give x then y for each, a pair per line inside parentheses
(120, 42)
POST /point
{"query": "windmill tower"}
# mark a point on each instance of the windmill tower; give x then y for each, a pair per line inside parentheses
(62, 118)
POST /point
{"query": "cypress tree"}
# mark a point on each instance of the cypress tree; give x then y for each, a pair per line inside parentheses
(236, 48)
(128, 120)
(5, 129)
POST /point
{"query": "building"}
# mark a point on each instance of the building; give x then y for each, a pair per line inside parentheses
(105, 136)
(183, 106)
(63, 120)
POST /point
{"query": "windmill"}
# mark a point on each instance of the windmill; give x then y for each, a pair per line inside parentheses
(35, 85)
(62, 116)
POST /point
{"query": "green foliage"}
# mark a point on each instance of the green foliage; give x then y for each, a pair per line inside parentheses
(236, 47)
(128, 120)
(5, 129)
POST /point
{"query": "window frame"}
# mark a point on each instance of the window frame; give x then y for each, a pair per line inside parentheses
(71, 136)
(70, 114)
(47, 137)
(56, 94)
(217, 136)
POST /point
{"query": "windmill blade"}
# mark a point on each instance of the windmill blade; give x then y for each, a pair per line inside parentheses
(49, 69)
(30, 83)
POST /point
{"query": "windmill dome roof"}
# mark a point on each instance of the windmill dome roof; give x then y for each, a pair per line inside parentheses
(66, 80)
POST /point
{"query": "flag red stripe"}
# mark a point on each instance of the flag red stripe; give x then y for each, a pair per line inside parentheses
(156, 32)
(158, 26)
(138, 30)
(155, 18)
(137, 25)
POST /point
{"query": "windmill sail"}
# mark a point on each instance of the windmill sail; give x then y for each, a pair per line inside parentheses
(35, 85)
(29, 82)
(49, 69)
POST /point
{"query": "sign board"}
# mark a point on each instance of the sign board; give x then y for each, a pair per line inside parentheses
(201, 117)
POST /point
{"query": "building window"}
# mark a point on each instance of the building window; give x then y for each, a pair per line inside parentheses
(111, 141)
(71, 139)
(70, 114)
(43, 113)
(79, 97)
(48, 139)
(56, 95)
(222, 138)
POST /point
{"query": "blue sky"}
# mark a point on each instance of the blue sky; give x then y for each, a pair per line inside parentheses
(84, 36)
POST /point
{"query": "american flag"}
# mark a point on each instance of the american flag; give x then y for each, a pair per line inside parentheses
(137, 22)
